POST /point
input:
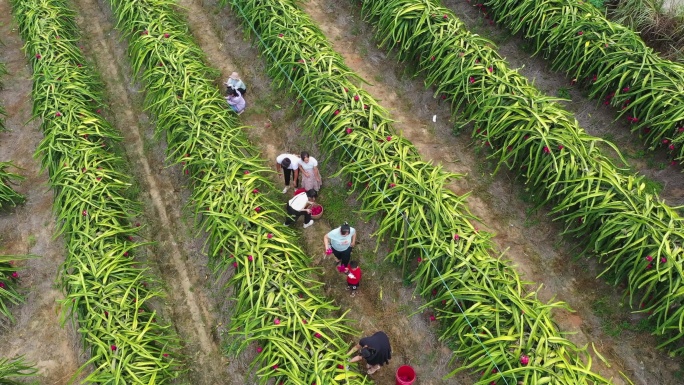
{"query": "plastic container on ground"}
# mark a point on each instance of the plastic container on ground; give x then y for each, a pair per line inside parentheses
(405, 375)
(319, 215)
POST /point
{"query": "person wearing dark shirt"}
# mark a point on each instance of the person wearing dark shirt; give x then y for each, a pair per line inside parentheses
(375, 350)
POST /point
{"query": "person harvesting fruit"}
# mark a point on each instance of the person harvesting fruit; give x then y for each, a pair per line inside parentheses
(353, 277)
(287, 164)
(234, 82)
(236, 101)
(308, 166)
(375, 350)
(340, 242)
(299, 205)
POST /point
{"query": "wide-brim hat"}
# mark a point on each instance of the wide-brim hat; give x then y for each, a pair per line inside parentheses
(234, 75)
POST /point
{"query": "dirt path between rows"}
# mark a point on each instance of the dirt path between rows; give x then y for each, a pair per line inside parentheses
(596, 118)
(276, 129)
(188, 305)
(198, 308)
(30, 228)
(533, 243)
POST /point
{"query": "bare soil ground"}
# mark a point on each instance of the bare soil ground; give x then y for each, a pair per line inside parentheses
(30, 229)
(199, 308)
(533, 241)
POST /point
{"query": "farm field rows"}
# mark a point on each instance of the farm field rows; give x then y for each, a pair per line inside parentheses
(608, 59)
(595, 117)
(197, 307)
(631, 230)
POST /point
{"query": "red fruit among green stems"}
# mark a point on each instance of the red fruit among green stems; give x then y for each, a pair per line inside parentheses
(524, 360)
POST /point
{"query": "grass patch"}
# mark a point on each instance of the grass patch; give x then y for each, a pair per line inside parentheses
(609, 137)
(336, 209)
(564, 93)
(31, 240)
(528, 197)
(638, 154)
(653, 186)
(614, 321)
(355, 30)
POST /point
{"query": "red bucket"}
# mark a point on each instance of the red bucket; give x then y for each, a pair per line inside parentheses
(405, 375)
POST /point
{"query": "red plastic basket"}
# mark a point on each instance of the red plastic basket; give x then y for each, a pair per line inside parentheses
(319, 215)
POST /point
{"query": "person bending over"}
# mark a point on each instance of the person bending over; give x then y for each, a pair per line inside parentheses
(236, 83)
(375, 350)
(300, 205)
(236, 101)
(287, 165)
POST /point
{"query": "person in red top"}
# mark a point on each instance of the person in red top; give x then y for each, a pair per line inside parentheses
(353, 277)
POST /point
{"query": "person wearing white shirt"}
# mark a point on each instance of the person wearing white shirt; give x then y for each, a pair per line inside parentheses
(308, 166)
(288, 164)
(300, 205)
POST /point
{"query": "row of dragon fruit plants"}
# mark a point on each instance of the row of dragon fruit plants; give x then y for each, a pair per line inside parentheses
(503, 332)
(633, 232)
(197, 165)
(609, 59)
(107, 295)
(278, 308)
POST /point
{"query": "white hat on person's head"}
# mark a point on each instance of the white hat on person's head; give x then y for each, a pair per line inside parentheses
(234, 75)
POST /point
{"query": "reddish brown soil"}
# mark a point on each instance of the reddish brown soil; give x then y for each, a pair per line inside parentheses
(199, 309)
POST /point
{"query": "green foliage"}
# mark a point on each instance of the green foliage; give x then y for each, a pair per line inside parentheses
(564, 93)
(488, 314)
(9, 197)
(633, 232)
(599, 4)
(9, 279)
(278, 306)
(613, 323)
(661, 26)
(610, 60)
(333, 201)
(105, 290)
(11, 370)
